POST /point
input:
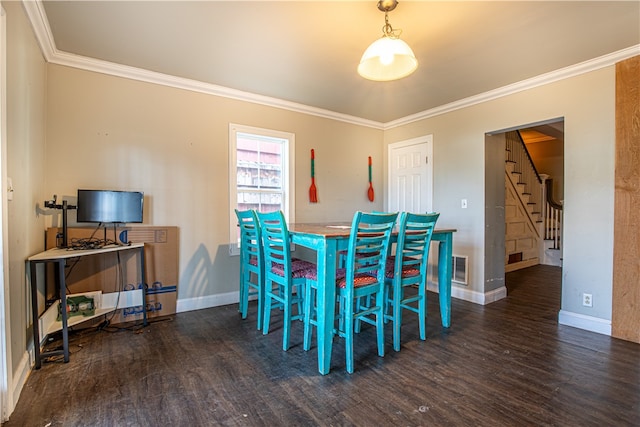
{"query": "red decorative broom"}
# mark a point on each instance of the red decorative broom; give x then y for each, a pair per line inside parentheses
(370, 191)
(313, 196)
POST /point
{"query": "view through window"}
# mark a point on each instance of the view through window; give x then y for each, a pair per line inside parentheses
(260, 173)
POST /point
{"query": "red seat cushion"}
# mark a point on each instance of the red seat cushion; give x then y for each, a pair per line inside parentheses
(358, 281)
(299, 268)
(407, 270)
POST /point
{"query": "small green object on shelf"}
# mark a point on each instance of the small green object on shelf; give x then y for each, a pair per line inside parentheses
(78, 306)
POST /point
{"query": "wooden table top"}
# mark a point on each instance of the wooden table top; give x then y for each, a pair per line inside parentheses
(337, 228)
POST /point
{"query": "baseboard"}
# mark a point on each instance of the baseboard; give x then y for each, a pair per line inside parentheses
(581, 321)
(495, 295)
(19, 379)
(459, 292)
(209, 301)
(482, 298)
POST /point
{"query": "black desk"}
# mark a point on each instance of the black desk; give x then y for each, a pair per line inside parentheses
(59, 257)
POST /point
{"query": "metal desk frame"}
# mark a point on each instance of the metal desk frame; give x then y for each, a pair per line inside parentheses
(59, 257)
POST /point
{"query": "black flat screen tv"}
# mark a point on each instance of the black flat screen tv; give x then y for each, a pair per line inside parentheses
(109, 206)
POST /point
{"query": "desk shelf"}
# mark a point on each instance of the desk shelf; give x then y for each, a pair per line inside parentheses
(105, 304)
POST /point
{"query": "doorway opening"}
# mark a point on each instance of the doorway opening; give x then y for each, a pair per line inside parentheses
(516, 223)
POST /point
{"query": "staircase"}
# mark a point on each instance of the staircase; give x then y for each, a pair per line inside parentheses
(533, 223)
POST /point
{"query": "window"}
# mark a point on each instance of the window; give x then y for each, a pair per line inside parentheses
(261, 171)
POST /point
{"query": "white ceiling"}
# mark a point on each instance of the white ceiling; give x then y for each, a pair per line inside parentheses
(306, 52)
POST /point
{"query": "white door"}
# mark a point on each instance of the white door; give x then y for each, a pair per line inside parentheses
(411, 175)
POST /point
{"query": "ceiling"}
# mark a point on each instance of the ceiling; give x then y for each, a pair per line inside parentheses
(306, 52)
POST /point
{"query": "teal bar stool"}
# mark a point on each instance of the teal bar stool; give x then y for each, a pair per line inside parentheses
(363, 279)
(408, 268)
(285, 277)
(251, 263)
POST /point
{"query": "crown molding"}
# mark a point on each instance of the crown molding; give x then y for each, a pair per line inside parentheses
(543, 79)
(37, 16)
(110, 68)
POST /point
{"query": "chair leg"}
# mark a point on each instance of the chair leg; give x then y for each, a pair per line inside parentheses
(348, 332)
(267, 311)
(241, 292)
(281, 292)
(397, 314)
(364, 303)
(358, 306)
(380, 323)
(286, 319)
(309, 311)
(300, 300)
(341, 311)
(422, 312)
(388, 301)
(260, 304)
(244, 299)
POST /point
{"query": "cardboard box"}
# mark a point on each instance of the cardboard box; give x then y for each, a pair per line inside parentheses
(114, 272)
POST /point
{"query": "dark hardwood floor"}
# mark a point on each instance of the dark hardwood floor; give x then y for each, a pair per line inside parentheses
(505, 364)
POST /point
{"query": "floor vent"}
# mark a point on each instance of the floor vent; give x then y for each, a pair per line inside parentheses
(459, 271)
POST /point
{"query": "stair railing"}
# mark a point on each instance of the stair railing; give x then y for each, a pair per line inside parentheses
(529, 178)
(552, 216)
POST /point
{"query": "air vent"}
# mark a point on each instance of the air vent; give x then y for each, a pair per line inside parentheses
(459, 269)
(513, 258)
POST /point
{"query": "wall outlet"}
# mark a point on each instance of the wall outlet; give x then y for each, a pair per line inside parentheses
(587, 300)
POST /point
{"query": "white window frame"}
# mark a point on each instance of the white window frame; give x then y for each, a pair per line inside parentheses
(288, 176)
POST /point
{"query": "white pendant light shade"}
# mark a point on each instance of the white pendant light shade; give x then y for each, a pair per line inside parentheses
(387, 58)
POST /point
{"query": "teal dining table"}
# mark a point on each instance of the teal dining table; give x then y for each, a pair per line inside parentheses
(327, 239)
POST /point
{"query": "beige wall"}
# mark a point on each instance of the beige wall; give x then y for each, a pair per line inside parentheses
(25, 159)
(587, 104)
(113, 133)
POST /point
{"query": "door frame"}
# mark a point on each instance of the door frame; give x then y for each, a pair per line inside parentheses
(6, 406)
(425, 139)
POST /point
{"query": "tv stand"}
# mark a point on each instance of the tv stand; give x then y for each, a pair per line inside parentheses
(59, 257)
(51, 204)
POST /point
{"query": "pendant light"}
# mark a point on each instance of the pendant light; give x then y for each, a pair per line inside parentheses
(387, 58)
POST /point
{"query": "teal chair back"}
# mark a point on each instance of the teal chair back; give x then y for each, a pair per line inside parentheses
(409, 267)
(276, 244)
(368, 248)
(361, 283)
(285, 276)
(251, 263)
